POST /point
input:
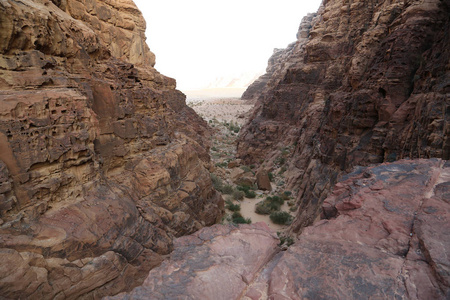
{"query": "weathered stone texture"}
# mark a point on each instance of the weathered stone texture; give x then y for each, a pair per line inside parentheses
(101, 162)
(370, 84)
(384, 235)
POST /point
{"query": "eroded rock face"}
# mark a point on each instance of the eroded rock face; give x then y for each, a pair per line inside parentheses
(370, 84)
(385, 235)
(101, 162)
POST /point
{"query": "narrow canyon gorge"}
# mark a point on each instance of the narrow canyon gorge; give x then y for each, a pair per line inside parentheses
(107, 176)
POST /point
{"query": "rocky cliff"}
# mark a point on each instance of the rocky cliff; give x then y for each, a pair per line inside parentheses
(370, 84)
(101, 162)
(385, 235)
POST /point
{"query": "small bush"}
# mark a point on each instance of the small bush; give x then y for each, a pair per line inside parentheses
(214, 149)
(238, 195)
(274, 206)
(281, 217)
(288, 241)
(232, 207)
(237, 218)
(248, 190)
(217, 182)
(223, 164)
(271, 176)
(250, 194)
(286, 195)
(261, 208)
(280, 160)
(246, 169)
(276, 199)
(227, 189)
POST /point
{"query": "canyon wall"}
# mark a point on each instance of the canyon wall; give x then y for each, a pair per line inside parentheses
(101, 162)
(369, 82)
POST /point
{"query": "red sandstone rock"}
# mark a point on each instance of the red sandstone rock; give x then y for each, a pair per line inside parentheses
(369, 84)
(101, 162)
(263, 180)
(214, 263)
(389, 241)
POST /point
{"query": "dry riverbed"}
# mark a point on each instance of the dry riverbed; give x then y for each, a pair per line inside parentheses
(230, 176)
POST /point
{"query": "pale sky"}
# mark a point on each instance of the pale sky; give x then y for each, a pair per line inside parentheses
(198, 41)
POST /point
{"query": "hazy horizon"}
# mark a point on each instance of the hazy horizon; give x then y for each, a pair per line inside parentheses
(205, 44)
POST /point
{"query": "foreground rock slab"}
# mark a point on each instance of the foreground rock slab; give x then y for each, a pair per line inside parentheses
(215, 263)
(385, 235)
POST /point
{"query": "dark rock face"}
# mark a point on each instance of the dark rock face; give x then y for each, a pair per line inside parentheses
(101, 162)
(386, 236)
(371, 84)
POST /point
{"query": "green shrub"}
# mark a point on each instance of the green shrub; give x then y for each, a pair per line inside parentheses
(237, 218)
(227, 189)
(286, 195)
(280, 160)
(271, 177)
(262, 208)
(246, 169)
(288, 241)
(276, 199)
(250, 194)
(231, 206)
(223, 164)
(217, 182)
(281, 217)
(238, 195)
(248, 190)
(274, 206)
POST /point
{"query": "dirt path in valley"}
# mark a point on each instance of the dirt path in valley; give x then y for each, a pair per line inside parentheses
(226, 116)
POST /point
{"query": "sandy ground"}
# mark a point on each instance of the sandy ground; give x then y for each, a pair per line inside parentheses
(217, 112)
(223, 110)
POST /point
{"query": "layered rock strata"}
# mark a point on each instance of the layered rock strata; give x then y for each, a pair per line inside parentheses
(101, 162)
(371, 84)
(385, 235)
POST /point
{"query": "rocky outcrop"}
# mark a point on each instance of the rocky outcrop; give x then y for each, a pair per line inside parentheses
(277, 62)
(384, 234)
(371, 84)
(101, 162)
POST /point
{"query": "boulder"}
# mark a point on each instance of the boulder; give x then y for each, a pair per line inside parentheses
(263, 180)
